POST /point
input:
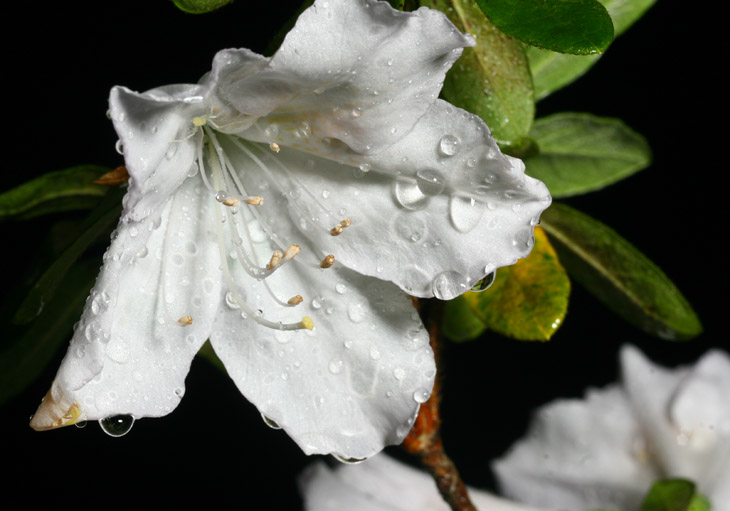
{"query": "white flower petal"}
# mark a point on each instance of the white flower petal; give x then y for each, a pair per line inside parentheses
(348, 387)
(129, 353)
(580, 455)
(156, 137)
(383, 484)
(687, 412)
(436, 212)
(360, 72)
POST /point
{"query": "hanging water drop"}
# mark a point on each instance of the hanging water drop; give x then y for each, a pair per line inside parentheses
(348, 461)
(270, 422)
(119, 147)
(431, 182)
(117, 425)
(448, 285)
(484, 283)
(421, 395)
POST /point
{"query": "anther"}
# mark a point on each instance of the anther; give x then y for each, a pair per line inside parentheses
(185, 320)
(254, 200)
(346, 222)
(290, 252)
(295, 300)
(327, 261)
(275, 260)
(307, 323)
(199, 121)
(275, 147)
(231, 201)
(336, 230)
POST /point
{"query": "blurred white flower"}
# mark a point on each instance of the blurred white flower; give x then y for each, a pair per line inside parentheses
(336, 147)
(607, 450)
(383, 484)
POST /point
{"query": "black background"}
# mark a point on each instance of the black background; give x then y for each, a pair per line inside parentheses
(660, 78)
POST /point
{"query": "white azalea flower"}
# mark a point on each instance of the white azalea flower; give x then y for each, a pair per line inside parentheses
(383, 484)
(280, 207)
(606, 451)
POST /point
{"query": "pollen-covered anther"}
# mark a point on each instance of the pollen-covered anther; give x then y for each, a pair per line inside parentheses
(307, 323)
(199, 121)
(295, 300)
(327, 261)
(290, 252)
(275, 147)
(275, 260)
(337, 230)
(254, 200)
(185, 320)
(231, 201)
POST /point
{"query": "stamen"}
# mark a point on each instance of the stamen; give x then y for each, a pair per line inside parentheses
(346, 222)
(231, 201)
(336, 230)
(307, 323)
(327, 261)
(275, 260)
(275, 147)
(254, 200)
(290, 252)
(185, 320)
(295, 300)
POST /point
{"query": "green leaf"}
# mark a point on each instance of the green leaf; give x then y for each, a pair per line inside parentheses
(669, 495)
(528, 300)
(580, 153)
(619, 275)
(459, 321)
(491, 80)
(99, 222)
(199, 6)
(23, 359)
(62, 190)
(579, 27)
(552, 71)
(207, 352)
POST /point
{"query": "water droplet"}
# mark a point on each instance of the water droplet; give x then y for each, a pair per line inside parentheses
(374, 352)
(448, 285)
(449, 145)
(231, 301)
(399, 373)
(465, 213)
(119, 147)
(356, 312)
(431, 182)
(272, 130)
(484, 283)
(409, 195)
(179, 392)
(270, 422)
(421, 395)
(171, 151)
(348, 461)
(117, 425)
(365, 167)
(357, 112)
(317, 302)
(523, 240)
(335, 366)
(341, 288)
(81, 424)
(325, 194)
(304, 130)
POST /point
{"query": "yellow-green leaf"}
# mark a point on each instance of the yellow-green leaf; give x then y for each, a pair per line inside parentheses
(491, 80)
(459, 321)
(528, 300)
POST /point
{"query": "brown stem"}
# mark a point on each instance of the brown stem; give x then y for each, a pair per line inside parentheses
(424, 440)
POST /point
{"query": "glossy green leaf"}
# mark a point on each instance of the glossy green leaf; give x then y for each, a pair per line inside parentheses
(491, 80)
(579, 153)
(528, 300)
(579, 27)
(199, 6)
(669, 495)
(619, 275)
(552, 71)
(459, 322)
(62, 190)
(33, 347)
(99, 223)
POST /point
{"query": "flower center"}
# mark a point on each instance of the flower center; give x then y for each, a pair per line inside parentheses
(230, 196)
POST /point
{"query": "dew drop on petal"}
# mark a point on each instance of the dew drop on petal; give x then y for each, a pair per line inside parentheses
(231, 301)
(448, 285)
(465, 213)
(119, 147)
(449, 145)
(409, 195)
(430, 181)
(117, 425)
(335, 366)
(356, 312)
(421, 395)
(270, 422)
(523, 240)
